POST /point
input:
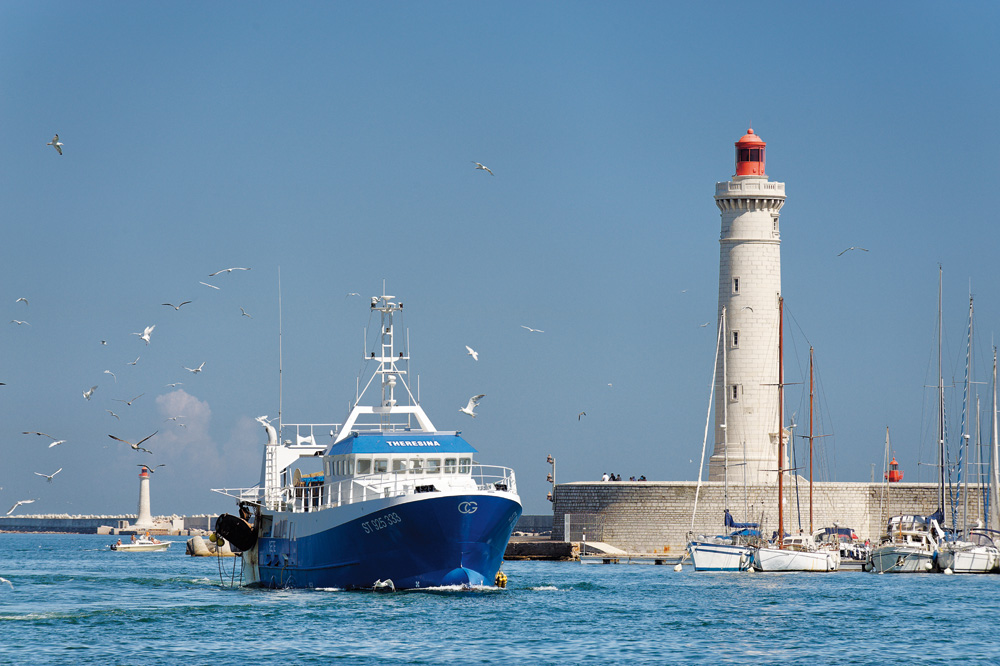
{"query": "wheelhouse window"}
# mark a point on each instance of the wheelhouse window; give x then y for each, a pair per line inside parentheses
(450, 465)
(364, 466)
(381, 466)
(433, 465)
(398, 465)
(463, 465)
(416, 466)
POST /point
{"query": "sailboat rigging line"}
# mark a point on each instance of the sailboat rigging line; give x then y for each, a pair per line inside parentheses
(711, 398)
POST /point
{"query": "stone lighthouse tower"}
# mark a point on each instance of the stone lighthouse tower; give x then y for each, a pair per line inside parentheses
(746, 393)
(144, 519)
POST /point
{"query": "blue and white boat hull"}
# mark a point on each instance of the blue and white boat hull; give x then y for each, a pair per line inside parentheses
(416, 541)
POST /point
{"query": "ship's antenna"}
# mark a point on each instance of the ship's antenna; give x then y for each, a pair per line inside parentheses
(279, 348)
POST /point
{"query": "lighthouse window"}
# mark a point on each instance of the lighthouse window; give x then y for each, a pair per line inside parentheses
(734, 392)
(736, 339)
(736, 285)
(755, 154)
(744, 155)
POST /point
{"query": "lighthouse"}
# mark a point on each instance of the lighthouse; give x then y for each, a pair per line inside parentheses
(746, 392)
(144, 520)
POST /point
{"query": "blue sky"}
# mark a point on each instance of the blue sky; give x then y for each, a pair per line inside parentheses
(336, 141)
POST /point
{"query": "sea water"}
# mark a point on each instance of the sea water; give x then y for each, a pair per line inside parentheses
(74, 601)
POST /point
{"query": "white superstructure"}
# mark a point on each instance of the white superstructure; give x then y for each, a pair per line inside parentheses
(749, 287)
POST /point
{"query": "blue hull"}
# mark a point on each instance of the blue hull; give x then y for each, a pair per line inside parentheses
(438, 541)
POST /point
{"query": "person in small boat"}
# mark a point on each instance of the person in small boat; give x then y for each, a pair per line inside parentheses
(119, 542)
(133, 539)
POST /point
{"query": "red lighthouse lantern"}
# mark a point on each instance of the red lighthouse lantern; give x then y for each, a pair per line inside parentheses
(894, 474)
(750, 155)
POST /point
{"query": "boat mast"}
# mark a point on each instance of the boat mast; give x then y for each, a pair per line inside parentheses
(994, 494)
(963, 450)
(810, 439)
(941, 458)
(781, 418)
(725, 415)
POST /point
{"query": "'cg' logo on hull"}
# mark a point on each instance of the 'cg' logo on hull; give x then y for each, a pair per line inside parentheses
(467, 507)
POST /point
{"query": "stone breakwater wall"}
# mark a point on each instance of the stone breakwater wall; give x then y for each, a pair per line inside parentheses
(91, 524)
(654, 516)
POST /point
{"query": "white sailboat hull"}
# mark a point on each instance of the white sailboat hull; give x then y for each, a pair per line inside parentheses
(893, 558)
(707, 556)
(969, 558)
(776, 559)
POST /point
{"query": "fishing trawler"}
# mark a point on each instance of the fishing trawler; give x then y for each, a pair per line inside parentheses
(397, 504)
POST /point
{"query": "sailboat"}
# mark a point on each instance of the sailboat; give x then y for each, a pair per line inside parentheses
(799, 553)
(975, 552)
(911, 542)
(730, 551)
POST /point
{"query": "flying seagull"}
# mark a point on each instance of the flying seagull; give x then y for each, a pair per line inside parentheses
(138, 445)
(151, 468)
(195, 370)
(35, 432)
(108, 372)
(480, 166)
(352, 293)
(144, 336)
(703, 325)
(176, 307)
(129, 402)
(532, 330)
(207, 284)
(245, 313)
(853, 247)
(581, 414)
(56, 143)
(473, 401)
(48, 477)
(173, 418)
(89, 392)
(228, 270)
(19, 322)
(174, 384)
(113, 414)
(22, 299)
(472, 352)
(19, 503)
(133, 362)
(4, 580)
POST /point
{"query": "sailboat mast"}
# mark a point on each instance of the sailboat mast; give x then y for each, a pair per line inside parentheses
(941, 459)
(810, 440)
(994, 460)
(781, 419)
(723, 336)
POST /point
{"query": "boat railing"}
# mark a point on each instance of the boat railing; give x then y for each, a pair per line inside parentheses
(306, 434)
(313, 497)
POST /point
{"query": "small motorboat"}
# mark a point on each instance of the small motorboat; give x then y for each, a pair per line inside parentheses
(142, 544)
